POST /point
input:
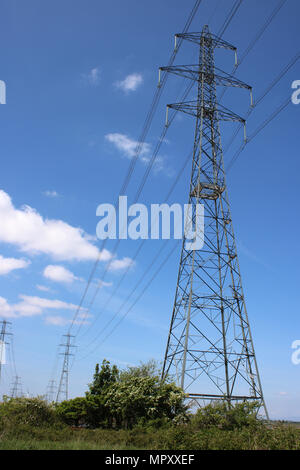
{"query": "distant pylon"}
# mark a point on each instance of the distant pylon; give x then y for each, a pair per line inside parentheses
(63, 388)
(50, 395)
(16, 391)
(210, 351)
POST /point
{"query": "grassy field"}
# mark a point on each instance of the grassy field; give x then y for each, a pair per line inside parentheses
(275, 437)
(33, 424)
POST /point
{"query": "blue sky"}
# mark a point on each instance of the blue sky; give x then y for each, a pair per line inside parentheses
(80, 78)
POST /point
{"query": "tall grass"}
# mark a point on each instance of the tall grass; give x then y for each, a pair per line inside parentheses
(32, 424)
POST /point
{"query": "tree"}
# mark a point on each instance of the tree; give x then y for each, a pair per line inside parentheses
(125, 398)
(103, 378)
(139, 395)
(73, 412)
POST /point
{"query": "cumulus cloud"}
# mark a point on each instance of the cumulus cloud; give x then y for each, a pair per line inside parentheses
(93, 76)
(10, 264)
(128, 146)
(6, 310)
(119, 264)
(130, 83)
(33, 234)
(31, 306)
(59, 274)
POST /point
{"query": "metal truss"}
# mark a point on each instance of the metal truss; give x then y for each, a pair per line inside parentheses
(210, 350)
(63, 388)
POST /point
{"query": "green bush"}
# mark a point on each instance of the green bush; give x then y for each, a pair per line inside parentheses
(72, 412)
(34, 412)
(124, 399)
(225, 416)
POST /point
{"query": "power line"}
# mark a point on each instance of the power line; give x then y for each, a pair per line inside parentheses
(262, 30)
(138, 149)
(229, 18)
(223, 29)
(154, 156)
(226, 23)
(263, 95)
(137, 299)
(137, 195)
(255, 133)
(203, 338)
(142, 244)
(255, 40)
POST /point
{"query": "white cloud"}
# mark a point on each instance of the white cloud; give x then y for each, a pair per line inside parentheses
(119, 264)
(39, 304)
(130, 83)
(128, 146)
(57, 320)
(49, 193)
(93, 76)
(10, 264)
(31, 233)
(59, 274)
(43, 288)
(100, 283)
(31, 306)
(6, 310)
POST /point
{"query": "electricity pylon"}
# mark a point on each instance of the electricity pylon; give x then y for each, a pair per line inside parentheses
(50, 394)
(210, 350)
(16, 390)
(3, 333)
(63, 388)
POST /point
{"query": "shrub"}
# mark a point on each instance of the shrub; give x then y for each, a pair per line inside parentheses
(27, 411)
(225, 416)
(72, 412)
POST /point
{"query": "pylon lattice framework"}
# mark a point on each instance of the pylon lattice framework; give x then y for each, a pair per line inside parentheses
(63, 388)
(50, 394)
(3, 333)
(210, 351)
(16, 388)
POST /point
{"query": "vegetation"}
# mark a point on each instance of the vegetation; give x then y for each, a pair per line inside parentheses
(124, 399)
(132, 409)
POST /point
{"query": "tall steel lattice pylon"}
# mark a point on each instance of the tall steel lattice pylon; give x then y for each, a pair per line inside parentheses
(50, 394)
(63, 388)
(3, 333)
(210, 351)
(16, 388)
